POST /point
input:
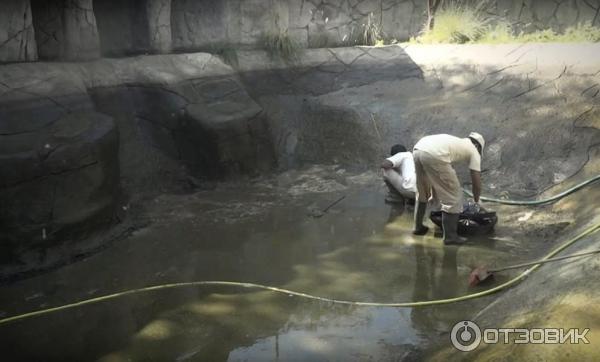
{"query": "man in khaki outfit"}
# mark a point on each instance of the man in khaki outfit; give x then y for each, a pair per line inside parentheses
(434, 156)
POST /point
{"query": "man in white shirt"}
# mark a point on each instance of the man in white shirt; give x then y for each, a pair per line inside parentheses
(399, 174)
(434, 156)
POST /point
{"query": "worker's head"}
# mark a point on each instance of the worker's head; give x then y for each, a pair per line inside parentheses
(397, 149)
(478, 141)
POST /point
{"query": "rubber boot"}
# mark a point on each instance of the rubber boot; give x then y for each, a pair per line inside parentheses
(420, 209)
(450, 226)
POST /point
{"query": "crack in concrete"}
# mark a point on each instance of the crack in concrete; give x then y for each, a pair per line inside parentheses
(589, 88)
(581, 116)
(597, 9)
(494, 85)
(514, 50)
(50, 174)
(503, 69)
(154, 86)
(531, 89)
(335, 55)
(476, 85)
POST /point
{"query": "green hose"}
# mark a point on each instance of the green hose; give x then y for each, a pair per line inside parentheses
(538, 202)
(490, 291)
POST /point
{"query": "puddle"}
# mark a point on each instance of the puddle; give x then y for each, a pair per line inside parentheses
(360, 250)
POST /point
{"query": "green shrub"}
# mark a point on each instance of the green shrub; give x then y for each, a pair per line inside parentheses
(465, 21)
(582, 32)
(539, 36)
(501, 32)
(456, 23)
(281, 45)
(369, 33)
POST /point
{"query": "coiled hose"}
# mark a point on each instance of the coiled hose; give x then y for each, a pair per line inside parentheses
(513, 281)
(538, 202)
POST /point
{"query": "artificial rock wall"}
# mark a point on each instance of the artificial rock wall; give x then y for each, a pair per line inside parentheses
(87, 29)
(65, 29)
(17, 41)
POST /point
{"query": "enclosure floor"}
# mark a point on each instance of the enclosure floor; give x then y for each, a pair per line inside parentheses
(262, 231)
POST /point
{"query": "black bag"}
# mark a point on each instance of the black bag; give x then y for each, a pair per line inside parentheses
(471, 221)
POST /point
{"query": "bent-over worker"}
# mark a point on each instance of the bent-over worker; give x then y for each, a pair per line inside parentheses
(399, 175)
(436, 178)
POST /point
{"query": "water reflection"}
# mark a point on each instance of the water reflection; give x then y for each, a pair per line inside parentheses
(363, 250)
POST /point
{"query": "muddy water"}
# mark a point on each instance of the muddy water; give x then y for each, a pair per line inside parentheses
(361, 250)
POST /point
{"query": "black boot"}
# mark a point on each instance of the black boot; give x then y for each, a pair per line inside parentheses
(420, 209)
(450, 225)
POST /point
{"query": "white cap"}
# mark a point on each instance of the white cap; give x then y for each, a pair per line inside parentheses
(479, 138)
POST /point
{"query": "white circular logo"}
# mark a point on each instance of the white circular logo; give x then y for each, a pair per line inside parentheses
(465, 336)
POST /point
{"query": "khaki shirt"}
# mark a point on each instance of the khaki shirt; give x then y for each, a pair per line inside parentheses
(451, 149)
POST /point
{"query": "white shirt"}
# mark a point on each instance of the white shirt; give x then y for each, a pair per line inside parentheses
(451, 149)
(403, 172)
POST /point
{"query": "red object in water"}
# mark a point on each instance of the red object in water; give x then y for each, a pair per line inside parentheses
(479, 275)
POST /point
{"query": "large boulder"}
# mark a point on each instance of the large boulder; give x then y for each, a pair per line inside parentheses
(60, 178)
(58, 158)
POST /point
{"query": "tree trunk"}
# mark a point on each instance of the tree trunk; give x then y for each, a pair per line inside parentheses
(432, 6)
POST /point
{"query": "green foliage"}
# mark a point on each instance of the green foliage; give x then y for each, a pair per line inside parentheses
(499, 33)
(456, 22)
(369, 33)
(582, 32)
(465, 21)
(281, 45)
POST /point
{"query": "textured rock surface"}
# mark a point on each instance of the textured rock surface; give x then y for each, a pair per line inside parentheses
(205, 24)
(66, 29)
(158, 13)
(190, 108)
(182, 115)
(510, 93)
(123, 27)
(316, 24)
(540, 14)
(58, 157)
(134, 27)
(328, 23)
(175, 116)
(17, 41)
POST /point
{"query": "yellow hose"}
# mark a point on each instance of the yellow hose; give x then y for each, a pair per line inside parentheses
(490, 291)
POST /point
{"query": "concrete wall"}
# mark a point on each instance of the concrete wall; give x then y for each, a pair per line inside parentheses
(17, 42)
(74, 135)
(65, 29)
(87, 29)
(541, 14)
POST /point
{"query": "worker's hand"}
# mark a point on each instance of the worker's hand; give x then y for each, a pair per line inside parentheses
(473, 207)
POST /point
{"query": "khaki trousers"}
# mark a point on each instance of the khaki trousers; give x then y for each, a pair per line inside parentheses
(437, 179)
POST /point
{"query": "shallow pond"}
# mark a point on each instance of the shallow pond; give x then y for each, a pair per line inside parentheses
(360, 250)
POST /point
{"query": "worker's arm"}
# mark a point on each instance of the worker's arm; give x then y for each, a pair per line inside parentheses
(387, 164)
(476, 184)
